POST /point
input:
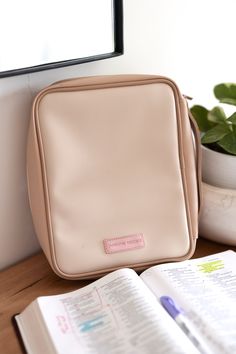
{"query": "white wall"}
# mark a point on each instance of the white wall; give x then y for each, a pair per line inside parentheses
(190, 41)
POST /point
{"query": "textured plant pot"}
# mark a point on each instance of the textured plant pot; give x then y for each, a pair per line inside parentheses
(218, 216)
(218, 169)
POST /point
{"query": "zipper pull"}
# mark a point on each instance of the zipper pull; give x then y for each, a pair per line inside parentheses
(188, 97)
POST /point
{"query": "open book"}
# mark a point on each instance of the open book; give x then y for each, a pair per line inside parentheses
(122, 313)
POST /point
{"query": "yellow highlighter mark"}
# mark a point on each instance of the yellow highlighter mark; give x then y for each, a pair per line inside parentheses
(209, 267)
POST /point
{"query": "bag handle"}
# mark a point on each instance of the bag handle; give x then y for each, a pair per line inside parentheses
(198, 156)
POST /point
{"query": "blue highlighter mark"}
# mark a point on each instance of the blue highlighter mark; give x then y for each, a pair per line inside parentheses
(91, 324)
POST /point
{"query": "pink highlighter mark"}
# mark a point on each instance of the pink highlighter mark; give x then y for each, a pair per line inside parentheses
(124, 243)
(62, 324)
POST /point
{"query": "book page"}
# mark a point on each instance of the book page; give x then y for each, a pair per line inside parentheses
(206, 289)
(117, 314)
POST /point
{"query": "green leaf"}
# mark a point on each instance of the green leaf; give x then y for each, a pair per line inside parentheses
(232, 118)
(228, 143)
(226, 93)
(217, 115)
(215, 134)
(231, 101)
(200, 115)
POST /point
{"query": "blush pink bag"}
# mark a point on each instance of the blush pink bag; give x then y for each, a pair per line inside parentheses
(113, 174)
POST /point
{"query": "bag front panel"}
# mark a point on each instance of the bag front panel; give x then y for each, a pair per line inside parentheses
(112, 169)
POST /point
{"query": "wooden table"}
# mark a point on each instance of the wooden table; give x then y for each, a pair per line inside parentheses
(22, 283)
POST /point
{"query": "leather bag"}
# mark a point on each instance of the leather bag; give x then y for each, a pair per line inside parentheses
(113, 174)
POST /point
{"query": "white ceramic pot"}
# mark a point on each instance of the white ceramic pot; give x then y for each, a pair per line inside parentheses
(218, 216)
(218, 169)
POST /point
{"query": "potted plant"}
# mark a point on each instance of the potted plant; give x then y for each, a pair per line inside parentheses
(218, 138)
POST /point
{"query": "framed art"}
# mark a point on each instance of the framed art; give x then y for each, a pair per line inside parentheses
(39, 35)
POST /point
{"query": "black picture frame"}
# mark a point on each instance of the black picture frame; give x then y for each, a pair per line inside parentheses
(118, 49)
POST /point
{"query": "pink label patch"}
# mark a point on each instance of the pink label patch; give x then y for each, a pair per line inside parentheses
(124, 243)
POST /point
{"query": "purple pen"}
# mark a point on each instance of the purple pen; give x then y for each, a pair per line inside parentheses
(178, 315)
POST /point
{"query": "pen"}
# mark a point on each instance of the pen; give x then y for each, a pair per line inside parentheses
(178, 315)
